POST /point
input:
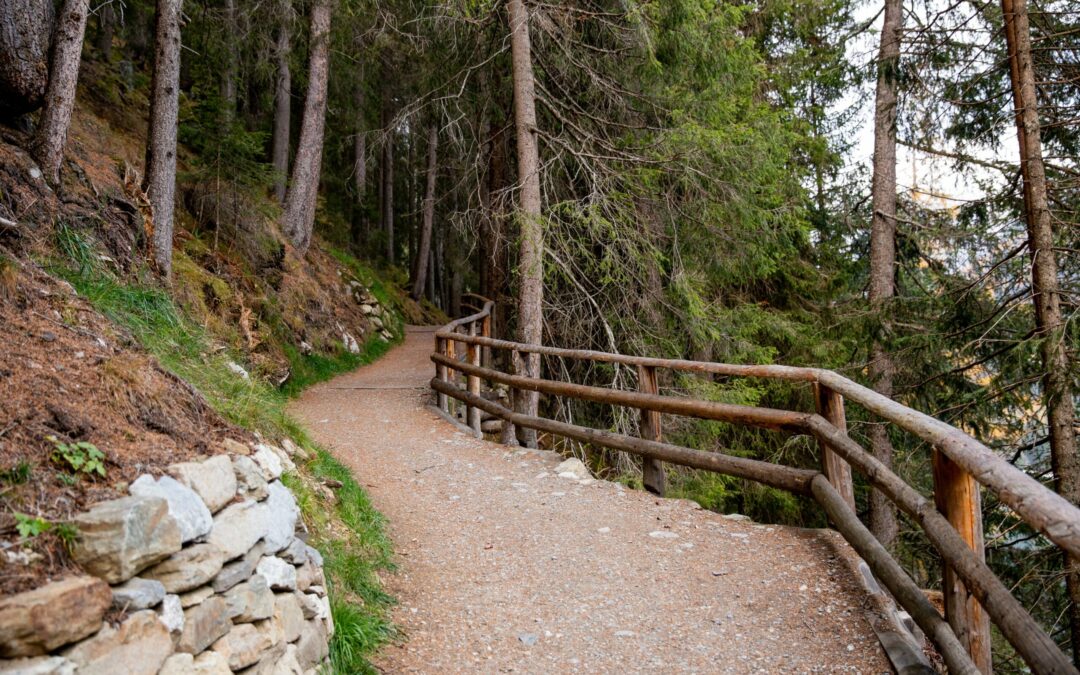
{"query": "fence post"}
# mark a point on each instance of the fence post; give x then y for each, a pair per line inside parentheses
(830, 405)
(473, 355)
(485, 330)
(509, 433)
(957, 497)
(652, 470)
(440, 372)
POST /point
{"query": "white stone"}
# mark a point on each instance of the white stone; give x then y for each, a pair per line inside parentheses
(279, 574)
(268, 461)
(279, 516)
(171, 614)
(213, 480)
(43, 665)
(238, 528)
(286, 462)
(573, 468)
(663, 534)
(350, 343)
(137, 593)
(238, 369)
(185, 506)
(249, 478)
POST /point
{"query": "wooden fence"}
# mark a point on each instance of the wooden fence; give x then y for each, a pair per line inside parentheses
(952, 521)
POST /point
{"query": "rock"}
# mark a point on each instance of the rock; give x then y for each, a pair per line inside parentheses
(287, 465)
(190, 568)
(238, 528)
(195, 597)
(288, 612)
(207, 663)
(314, 556)
(377, 322)
(366, 309)
(171, 614)
(306, 348)
(663, 534)
(350, 343)
(138, 647)
(737, 517)
(185, 506)
(249, 479)
(307, 575)
(120, 538)
(295, 552)
(41, 665)
(137, 593)
(38, 621)
(238, 369)
(294, 450)
(312, 646)
(250, 601)
(242, 646)
(234, 447)
(279, 574)
(573, 468)
(213, 480)
(386, 335)
(310, 605)
(203, 625)
(528, 639)
(235, 572)
(288, 664)
(280, 517)
(272, 629)
(268, 461)
(317, 590)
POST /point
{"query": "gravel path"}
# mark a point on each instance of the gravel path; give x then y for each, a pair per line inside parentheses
(505, 567)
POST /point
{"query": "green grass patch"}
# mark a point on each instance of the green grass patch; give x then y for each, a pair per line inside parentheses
(309, 369)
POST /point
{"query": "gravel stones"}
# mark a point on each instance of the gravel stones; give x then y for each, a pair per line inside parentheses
(121, 537)
(38, 621)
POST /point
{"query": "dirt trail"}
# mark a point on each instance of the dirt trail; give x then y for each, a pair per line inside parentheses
(503, 566)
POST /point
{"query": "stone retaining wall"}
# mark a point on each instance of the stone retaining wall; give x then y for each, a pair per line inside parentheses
(203, 570)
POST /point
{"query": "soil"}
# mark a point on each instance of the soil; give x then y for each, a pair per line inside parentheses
(68, 373)
(503, 566)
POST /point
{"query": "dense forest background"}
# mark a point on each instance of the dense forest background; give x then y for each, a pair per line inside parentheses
(690, 179)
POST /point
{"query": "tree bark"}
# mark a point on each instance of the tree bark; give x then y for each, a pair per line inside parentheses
(423, 248)
(228, 78)
(60, 94)
(360, 162)
(1051, 329)
(300, 200)
(388, 194)
(282, 102)
(106, 31)
(26, 28)
(531, 256)
(883, 250)
(160, 179)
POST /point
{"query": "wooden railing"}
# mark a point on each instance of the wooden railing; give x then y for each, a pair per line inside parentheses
(952, 522)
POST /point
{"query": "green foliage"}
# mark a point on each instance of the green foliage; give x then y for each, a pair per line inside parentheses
(81, 457)
(17, 474)
(29, 527)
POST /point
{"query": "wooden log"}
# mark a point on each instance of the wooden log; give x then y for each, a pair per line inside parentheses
(652, 470)
(1014, 622)
(473, 382)
(956, 495)
(775, 475)
(766, 418)
(485, 331)
(889, 572)
(440, 374)
(509, 433)
(830, 405)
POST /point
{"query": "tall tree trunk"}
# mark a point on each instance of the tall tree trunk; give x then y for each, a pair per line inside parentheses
(423, 248)
(228, 77)
(1045, 289)
(883, 249)
(304, 187)
(60, 94)
(282, 102)
(106, 31)
(26, 28)
(388, 194)
(160, 179)
(360, 163)
(531, 256)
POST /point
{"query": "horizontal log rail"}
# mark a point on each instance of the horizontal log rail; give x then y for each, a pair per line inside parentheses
(962, 637)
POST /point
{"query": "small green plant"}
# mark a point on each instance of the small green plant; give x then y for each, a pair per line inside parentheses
(29, 527)
(67, 533)
(16, 475)
(81, 457)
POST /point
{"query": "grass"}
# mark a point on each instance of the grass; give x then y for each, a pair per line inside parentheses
(350, 533)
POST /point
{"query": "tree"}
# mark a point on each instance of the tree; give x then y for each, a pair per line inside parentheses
(360, 161)
(1050, 325)
(531, 255)
(60, 94)
(883, 249)
(160, 180)
(423, 248)
(282, 101)
(299, 217)
(26, 28)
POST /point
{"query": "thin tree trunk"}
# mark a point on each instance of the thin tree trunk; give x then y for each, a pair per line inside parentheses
(388, 194)
(531, 257)
(883, 249)
(106, 31)
(60, 94)
(282, 103)
(423, 249)
(160, 179)
(360, 162)
(1046, 294)
(303, 190)
(228, 79)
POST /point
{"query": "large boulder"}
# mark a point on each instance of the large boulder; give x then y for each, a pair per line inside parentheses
(38, 621)
(185, 505)
(120, 538)
(238, 528)
(190, 568)
(281, 513)
(26, 28)
(213, 480)
(138, 647)
(203, 625)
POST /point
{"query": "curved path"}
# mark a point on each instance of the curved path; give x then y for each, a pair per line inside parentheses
(503, 566)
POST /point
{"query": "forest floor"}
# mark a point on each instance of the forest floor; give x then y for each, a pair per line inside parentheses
(504, 566)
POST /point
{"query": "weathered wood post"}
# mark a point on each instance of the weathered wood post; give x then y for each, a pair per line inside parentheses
(451, 374)
(652, 470)
(473, 354)
(830, 405)
(957, 497)
(509, 433)
(485, 330)
(440, 372)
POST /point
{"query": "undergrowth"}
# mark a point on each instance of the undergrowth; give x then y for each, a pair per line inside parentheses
(349, 533)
